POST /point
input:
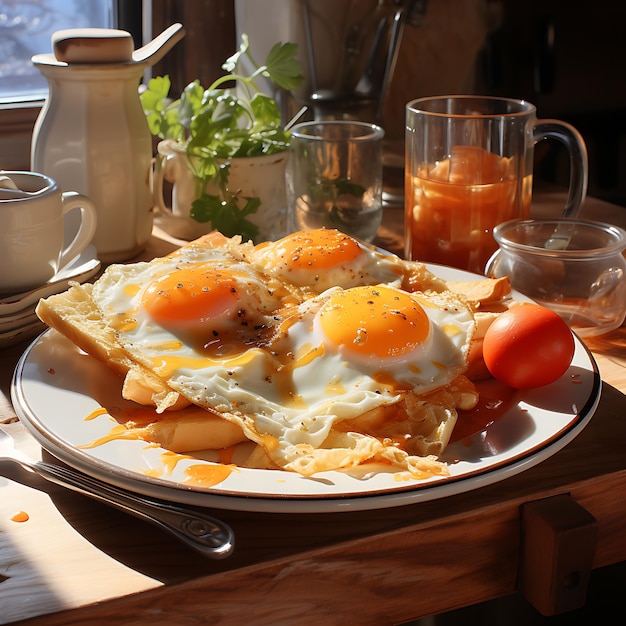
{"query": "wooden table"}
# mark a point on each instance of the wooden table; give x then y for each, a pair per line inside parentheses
(76, 561)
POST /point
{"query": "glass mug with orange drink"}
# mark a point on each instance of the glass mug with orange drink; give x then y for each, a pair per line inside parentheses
(469, 167)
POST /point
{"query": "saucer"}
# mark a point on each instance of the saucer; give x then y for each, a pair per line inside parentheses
(83, 267)
(17, 335)
(17, 320)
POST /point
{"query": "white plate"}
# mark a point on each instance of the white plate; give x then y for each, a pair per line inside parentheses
(83, 267)
(56, 390)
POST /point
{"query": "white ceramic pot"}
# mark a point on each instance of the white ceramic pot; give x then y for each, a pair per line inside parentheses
(260, 177)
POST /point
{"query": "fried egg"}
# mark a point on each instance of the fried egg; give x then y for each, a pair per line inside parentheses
(286, 368)
(202, 298)
(348, 344)
(322, 258)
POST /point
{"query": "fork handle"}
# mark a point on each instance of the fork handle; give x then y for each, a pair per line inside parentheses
(205, 534)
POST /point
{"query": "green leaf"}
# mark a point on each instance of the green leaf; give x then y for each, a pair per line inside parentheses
(345, 186)
(158, 90)
(266, 113)
(154, 123)
(171, 127)
(226, 216)
(205, 208)
(161, 114)
(282, 67)
(190, 102)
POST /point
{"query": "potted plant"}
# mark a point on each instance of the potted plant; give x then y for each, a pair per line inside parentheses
(205, 132)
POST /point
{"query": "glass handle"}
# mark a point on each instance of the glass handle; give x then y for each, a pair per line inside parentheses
(575, 144)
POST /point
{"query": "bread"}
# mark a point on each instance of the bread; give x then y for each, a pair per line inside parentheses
(193, 428)
(74, 315)
(481, 292)
(182, 427)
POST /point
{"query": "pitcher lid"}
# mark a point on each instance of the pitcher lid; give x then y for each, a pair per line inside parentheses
(92, 45)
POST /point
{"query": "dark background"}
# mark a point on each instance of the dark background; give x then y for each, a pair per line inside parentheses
(568, 57)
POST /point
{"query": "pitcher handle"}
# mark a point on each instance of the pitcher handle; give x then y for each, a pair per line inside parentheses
(575, 144)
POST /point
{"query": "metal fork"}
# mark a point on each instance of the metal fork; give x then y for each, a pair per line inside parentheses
(205, 534)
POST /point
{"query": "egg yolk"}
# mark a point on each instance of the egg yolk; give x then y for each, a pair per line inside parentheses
(318, 249)
(374, 322)
(190, 296)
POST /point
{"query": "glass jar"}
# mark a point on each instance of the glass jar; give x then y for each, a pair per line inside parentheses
(575, 267)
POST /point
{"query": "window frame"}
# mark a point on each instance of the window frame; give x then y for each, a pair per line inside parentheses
(16, 127)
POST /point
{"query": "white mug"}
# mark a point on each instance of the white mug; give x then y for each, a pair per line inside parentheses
(32, 217)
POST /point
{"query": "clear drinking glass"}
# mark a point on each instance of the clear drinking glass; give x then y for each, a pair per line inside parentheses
(468, 167)
(335, 177)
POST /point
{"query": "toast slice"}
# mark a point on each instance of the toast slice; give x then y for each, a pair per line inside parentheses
(74, 314)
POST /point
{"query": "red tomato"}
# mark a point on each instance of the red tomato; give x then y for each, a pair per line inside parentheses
(528, 346)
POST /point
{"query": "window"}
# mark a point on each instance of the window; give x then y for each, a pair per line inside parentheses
(25, 29)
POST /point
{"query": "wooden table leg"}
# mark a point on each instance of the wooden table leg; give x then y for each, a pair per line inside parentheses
(558, 544)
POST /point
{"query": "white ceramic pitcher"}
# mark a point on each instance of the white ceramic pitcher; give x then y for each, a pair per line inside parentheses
(92, 136)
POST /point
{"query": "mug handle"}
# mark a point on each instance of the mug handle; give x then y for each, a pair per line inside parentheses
(579, 169)
(73, 200)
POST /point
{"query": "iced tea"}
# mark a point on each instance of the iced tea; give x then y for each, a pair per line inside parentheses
(453, 205)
